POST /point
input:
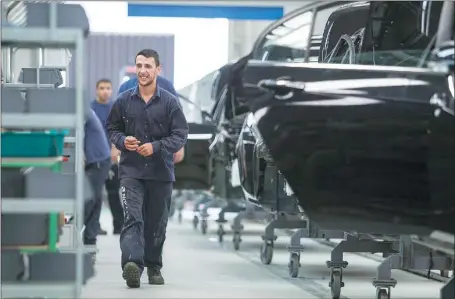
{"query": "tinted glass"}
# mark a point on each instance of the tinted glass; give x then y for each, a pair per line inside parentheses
(288, 41)
(401, 35)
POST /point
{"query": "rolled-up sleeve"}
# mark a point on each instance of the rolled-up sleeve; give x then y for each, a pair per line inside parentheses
(115, 126)
(178, 131)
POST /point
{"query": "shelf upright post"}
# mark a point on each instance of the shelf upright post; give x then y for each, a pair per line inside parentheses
(54, 37)
(79, 152)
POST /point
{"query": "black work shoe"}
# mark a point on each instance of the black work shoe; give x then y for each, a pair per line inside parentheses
(132, 275)
(155, 276)
(102, 232)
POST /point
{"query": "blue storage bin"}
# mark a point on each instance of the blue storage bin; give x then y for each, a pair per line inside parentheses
(33, 144)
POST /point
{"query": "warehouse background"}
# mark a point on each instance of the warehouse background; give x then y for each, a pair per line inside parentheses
(108, 54)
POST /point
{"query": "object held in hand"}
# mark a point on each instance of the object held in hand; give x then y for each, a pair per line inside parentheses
(131, 143)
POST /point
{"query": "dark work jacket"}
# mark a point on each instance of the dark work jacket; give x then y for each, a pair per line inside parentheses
(160, 122)
(96, 145)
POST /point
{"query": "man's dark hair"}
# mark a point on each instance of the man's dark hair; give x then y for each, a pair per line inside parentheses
(104, 80)
(147, 53)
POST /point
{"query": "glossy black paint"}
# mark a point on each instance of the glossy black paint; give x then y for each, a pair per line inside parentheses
(195, 171)
(362, 147)
(261, 182)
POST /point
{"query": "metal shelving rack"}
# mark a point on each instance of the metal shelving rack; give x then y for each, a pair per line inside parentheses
(53, 37)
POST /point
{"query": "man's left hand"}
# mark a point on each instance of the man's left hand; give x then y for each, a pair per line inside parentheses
(145, 150)
(178, 156)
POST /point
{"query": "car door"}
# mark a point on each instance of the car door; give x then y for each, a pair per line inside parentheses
(195, 170)
(356, 140)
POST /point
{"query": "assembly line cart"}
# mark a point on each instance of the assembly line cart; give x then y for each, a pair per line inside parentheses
(35, 38)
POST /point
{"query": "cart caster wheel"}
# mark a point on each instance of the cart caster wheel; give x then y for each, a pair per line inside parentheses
(236, 241)
(195, 222)
(266, 253)
(180, 218)
(382, 294)
(294, 265)
(220, 233)
(204, 226)
(336, 283)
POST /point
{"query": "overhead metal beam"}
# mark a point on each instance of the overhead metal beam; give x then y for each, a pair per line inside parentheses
(226, 10)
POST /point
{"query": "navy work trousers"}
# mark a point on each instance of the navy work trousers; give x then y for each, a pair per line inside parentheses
(97, 173)
(113, 197)
(146, 205)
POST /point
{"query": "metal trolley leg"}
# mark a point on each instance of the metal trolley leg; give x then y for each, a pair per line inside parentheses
(352, 244)
(309, 231)
(204, 220)
(295, 248)
(407, 257)
(281, 221)
(269, 238)
(195, 220)
(220, 231)
(237, 229)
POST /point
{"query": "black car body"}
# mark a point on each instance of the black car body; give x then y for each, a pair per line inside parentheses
(365, 138)
(227, 122)
(195, 171)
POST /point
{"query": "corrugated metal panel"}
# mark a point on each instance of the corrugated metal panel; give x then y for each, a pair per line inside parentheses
(107, 54)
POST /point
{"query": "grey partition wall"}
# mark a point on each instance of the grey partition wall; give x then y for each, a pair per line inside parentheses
(106, 55)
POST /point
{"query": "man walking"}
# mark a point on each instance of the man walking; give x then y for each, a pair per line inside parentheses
(165, 84)
(102, 106)
(148, 126)
(97, 164)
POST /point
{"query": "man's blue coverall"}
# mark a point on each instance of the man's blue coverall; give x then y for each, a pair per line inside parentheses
(146, 180)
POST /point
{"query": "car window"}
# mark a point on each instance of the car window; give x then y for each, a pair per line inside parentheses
(320, 22)
(347, 19)
(321, 18)
(396, 34)
(288, 41)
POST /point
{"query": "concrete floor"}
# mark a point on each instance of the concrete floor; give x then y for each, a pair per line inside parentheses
(197, 266)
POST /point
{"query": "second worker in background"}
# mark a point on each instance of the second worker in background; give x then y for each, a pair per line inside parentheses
(102, 106)
(148, 126)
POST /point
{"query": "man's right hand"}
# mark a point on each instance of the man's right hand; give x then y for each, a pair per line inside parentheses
(131, 143)
(114, 155)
